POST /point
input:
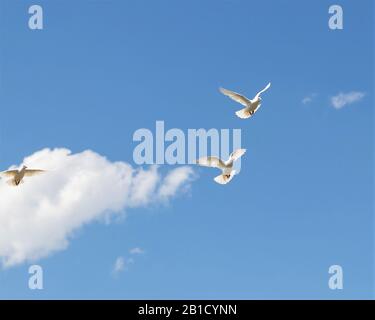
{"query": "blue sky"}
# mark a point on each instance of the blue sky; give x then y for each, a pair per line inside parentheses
(304, 199)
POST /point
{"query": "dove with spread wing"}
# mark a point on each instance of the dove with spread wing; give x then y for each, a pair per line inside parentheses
(18, 175)
(225, 166)
(251, 105)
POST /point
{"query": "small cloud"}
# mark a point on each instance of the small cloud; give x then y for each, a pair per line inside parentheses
(343, 99)
(121, 264)
(308, 99)
(136, 251)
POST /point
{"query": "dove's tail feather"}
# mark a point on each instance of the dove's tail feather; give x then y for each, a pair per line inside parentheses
(225, 178)
(243, 114)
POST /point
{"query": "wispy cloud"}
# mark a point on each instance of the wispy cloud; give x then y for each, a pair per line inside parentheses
(42, 215)
(136, 250)
(174, 181)
(343, 99)
(308, 99)
(121, 264)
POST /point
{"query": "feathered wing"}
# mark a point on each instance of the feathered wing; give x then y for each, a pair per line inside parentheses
(9, 173)
(212, 162)
(236, 97)
(237, 154)
(30, 173)
(264, 90)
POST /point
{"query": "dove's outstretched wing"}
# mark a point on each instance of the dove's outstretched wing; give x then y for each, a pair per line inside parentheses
(30, 173)
(237, 154)
(9, 173)
(212, 162)
(264, 90)
(236, 97)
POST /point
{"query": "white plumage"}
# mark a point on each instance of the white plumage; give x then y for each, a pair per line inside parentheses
(251, 105)
(18, 175)
(225, 166)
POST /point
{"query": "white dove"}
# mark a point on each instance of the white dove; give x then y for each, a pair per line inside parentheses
(18, 175)
(251, 106)
(226, 166)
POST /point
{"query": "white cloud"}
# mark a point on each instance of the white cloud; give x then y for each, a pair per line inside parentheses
(136, 250)
(308, 99)
(342, 99)
(174, 181)
(143, 186)
(40, 216)
(121, 264)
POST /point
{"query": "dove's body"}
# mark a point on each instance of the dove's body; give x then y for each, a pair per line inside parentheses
(226, 167)
(18, 175)
(251, 105)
